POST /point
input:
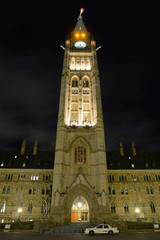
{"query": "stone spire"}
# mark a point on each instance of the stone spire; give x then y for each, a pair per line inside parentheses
(80, 27)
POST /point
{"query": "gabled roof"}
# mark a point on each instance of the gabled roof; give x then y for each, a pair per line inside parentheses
(80, 25)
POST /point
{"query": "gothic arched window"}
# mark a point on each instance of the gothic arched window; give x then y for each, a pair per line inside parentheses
(85, 83)
(80, 152)
(3, 206)
(30, 190)
(126, 209)
(78, 64)
(88, 64)
(43, 190)
(113, 209)
(74, 83)
(147, 190)
(122, 191)
(4, 190)
(126, 190)
(152, 207)
(8, 190)
(34, 190)
(72, 66)
(30, 206)
(82, 64)
(113, 190)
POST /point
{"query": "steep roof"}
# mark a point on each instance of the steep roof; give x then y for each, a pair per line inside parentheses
(80, 27)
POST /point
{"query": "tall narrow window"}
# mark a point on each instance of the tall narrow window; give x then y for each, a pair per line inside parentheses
(152, 207)
(44, 207)
(113, 209)
(30, 207)
(126, 209)
(48, 190)
(34, 190)
(80, 153)
(4, 190)
(74, 83)
(72, 65)
(122, 191)
(113, 190)
(147, 190)
(88, 65)
(126, 190)
(82, 64)
(30, 190)
(43, 190)
(85, 83)
(3, 206)
(151, 190)
(8, 190)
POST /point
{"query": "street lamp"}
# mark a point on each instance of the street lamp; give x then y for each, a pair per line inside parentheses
(19, 212)
(137, 211)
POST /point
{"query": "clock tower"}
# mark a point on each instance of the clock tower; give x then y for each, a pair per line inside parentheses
(80, 186)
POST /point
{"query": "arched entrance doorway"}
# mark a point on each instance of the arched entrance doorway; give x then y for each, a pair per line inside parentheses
(80, 210)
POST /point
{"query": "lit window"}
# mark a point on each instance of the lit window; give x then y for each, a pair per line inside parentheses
(80, 153)
(2, 164)
(15, 156)
(132, 165)
(3, 206)
(24, 164)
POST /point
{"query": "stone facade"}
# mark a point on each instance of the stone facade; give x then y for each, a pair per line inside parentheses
(79, 182)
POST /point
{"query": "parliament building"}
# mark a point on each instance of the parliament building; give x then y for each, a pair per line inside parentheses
(79, 181)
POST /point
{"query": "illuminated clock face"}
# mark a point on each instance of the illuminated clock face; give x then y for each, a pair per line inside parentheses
(80, 44)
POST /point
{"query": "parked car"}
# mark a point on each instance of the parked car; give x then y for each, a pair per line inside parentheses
(101, 229)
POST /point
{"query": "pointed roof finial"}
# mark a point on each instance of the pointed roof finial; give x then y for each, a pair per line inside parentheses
(80, 25)
(81, 11)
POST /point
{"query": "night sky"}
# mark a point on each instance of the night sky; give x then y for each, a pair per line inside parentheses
(31, 59)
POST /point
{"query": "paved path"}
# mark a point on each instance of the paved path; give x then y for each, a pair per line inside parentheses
(121, 236)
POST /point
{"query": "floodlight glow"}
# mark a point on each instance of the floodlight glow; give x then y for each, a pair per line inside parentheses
(19, 210)
(137, 210)
(79, 204)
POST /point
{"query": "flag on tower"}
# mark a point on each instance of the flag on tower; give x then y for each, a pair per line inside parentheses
(81, 11)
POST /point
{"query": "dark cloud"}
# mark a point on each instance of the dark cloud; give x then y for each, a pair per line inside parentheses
(31, 65)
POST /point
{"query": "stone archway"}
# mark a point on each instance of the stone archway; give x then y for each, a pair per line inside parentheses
(89, 199)
(80, 210)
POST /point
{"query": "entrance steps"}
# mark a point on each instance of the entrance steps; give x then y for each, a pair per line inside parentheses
(71, 228)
